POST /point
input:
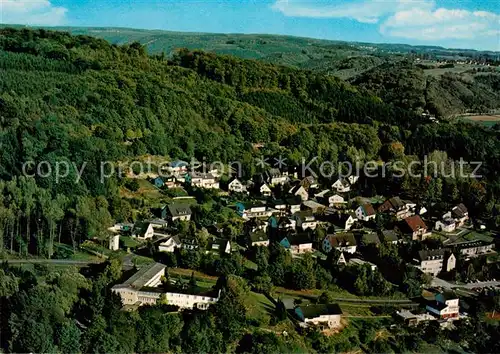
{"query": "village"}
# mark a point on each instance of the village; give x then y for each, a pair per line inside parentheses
(330, 223)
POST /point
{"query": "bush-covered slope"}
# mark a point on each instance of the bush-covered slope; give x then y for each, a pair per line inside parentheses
(408, 86)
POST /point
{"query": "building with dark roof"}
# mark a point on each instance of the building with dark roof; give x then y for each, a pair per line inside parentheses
(321, 315)
(344, 242)
(413, 227)
(435, 261)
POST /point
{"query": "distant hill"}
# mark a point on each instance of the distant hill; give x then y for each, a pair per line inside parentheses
(386, 70)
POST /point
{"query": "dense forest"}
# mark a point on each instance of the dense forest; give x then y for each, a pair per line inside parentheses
(82, 100)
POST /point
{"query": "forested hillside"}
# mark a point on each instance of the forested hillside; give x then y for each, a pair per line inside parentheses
(82, 100)
(408, 86)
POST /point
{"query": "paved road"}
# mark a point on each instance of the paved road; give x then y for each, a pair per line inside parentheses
(52, 261)
(448, 285)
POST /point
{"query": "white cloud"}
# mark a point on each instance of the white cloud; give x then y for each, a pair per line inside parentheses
(32, 12)
(366, 11)
(441, 23)
(413, 19)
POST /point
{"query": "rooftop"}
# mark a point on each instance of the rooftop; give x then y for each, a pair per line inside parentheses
(313, 311)
(144, 275)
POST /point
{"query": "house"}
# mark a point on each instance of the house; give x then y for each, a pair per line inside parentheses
(300, 243)
(143, 230)
(256, 224)
(365, 212)
(219, 246)
(305, 220)
(158, 182)
(274, 177)
(202, 180)
(352, 179)
(171, 182)
(411, 319)
(336, 200)
(341, 185)
(285, 243)
(390, 236)
(413, 227)
(459, 213)
(142, 288)
(158, 223)
(360, 262)
(344, 242)
(309, 182)
(114, 242)
(435, 261)
(178, 167)
(370, 238)
(265, 190)
(252, 210)
(278, 205)
(285, 223)
(444, 307)
(341, 259)
(258, 238)
(397, 207)
(293, 204)
(345, 221)
(169, 244)
(190, 243)
(300, 191)
(177, 212)
(313, 206)
(236, 186)
(321, 315)
(445, 225)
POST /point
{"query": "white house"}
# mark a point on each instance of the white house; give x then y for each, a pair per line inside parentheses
(341, 185)
(293, 205)
(446, 225)
(143, 231)
(177, 212)
(114, 242)
(459, 213)
(300, 191)
(446, 306)
(320, 315)
(344, 242)
(305, 220)
(435, 261)
(352, 179)
(170, 244)
(236, 186)
(249, 210)
(335, 200)
(274, 176)
(365, 212)
(265, 190)
(346, 221)
(297, 243)
(258, 238)
(203, 180)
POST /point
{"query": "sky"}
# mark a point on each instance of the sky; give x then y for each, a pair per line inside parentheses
(449, 23)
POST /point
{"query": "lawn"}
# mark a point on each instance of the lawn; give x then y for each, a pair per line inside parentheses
(259, 307)
(129, 242)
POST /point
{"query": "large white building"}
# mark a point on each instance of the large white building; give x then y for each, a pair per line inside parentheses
(143, 288)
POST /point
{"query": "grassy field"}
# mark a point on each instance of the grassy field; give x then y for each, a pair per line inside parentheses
(486, 120)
